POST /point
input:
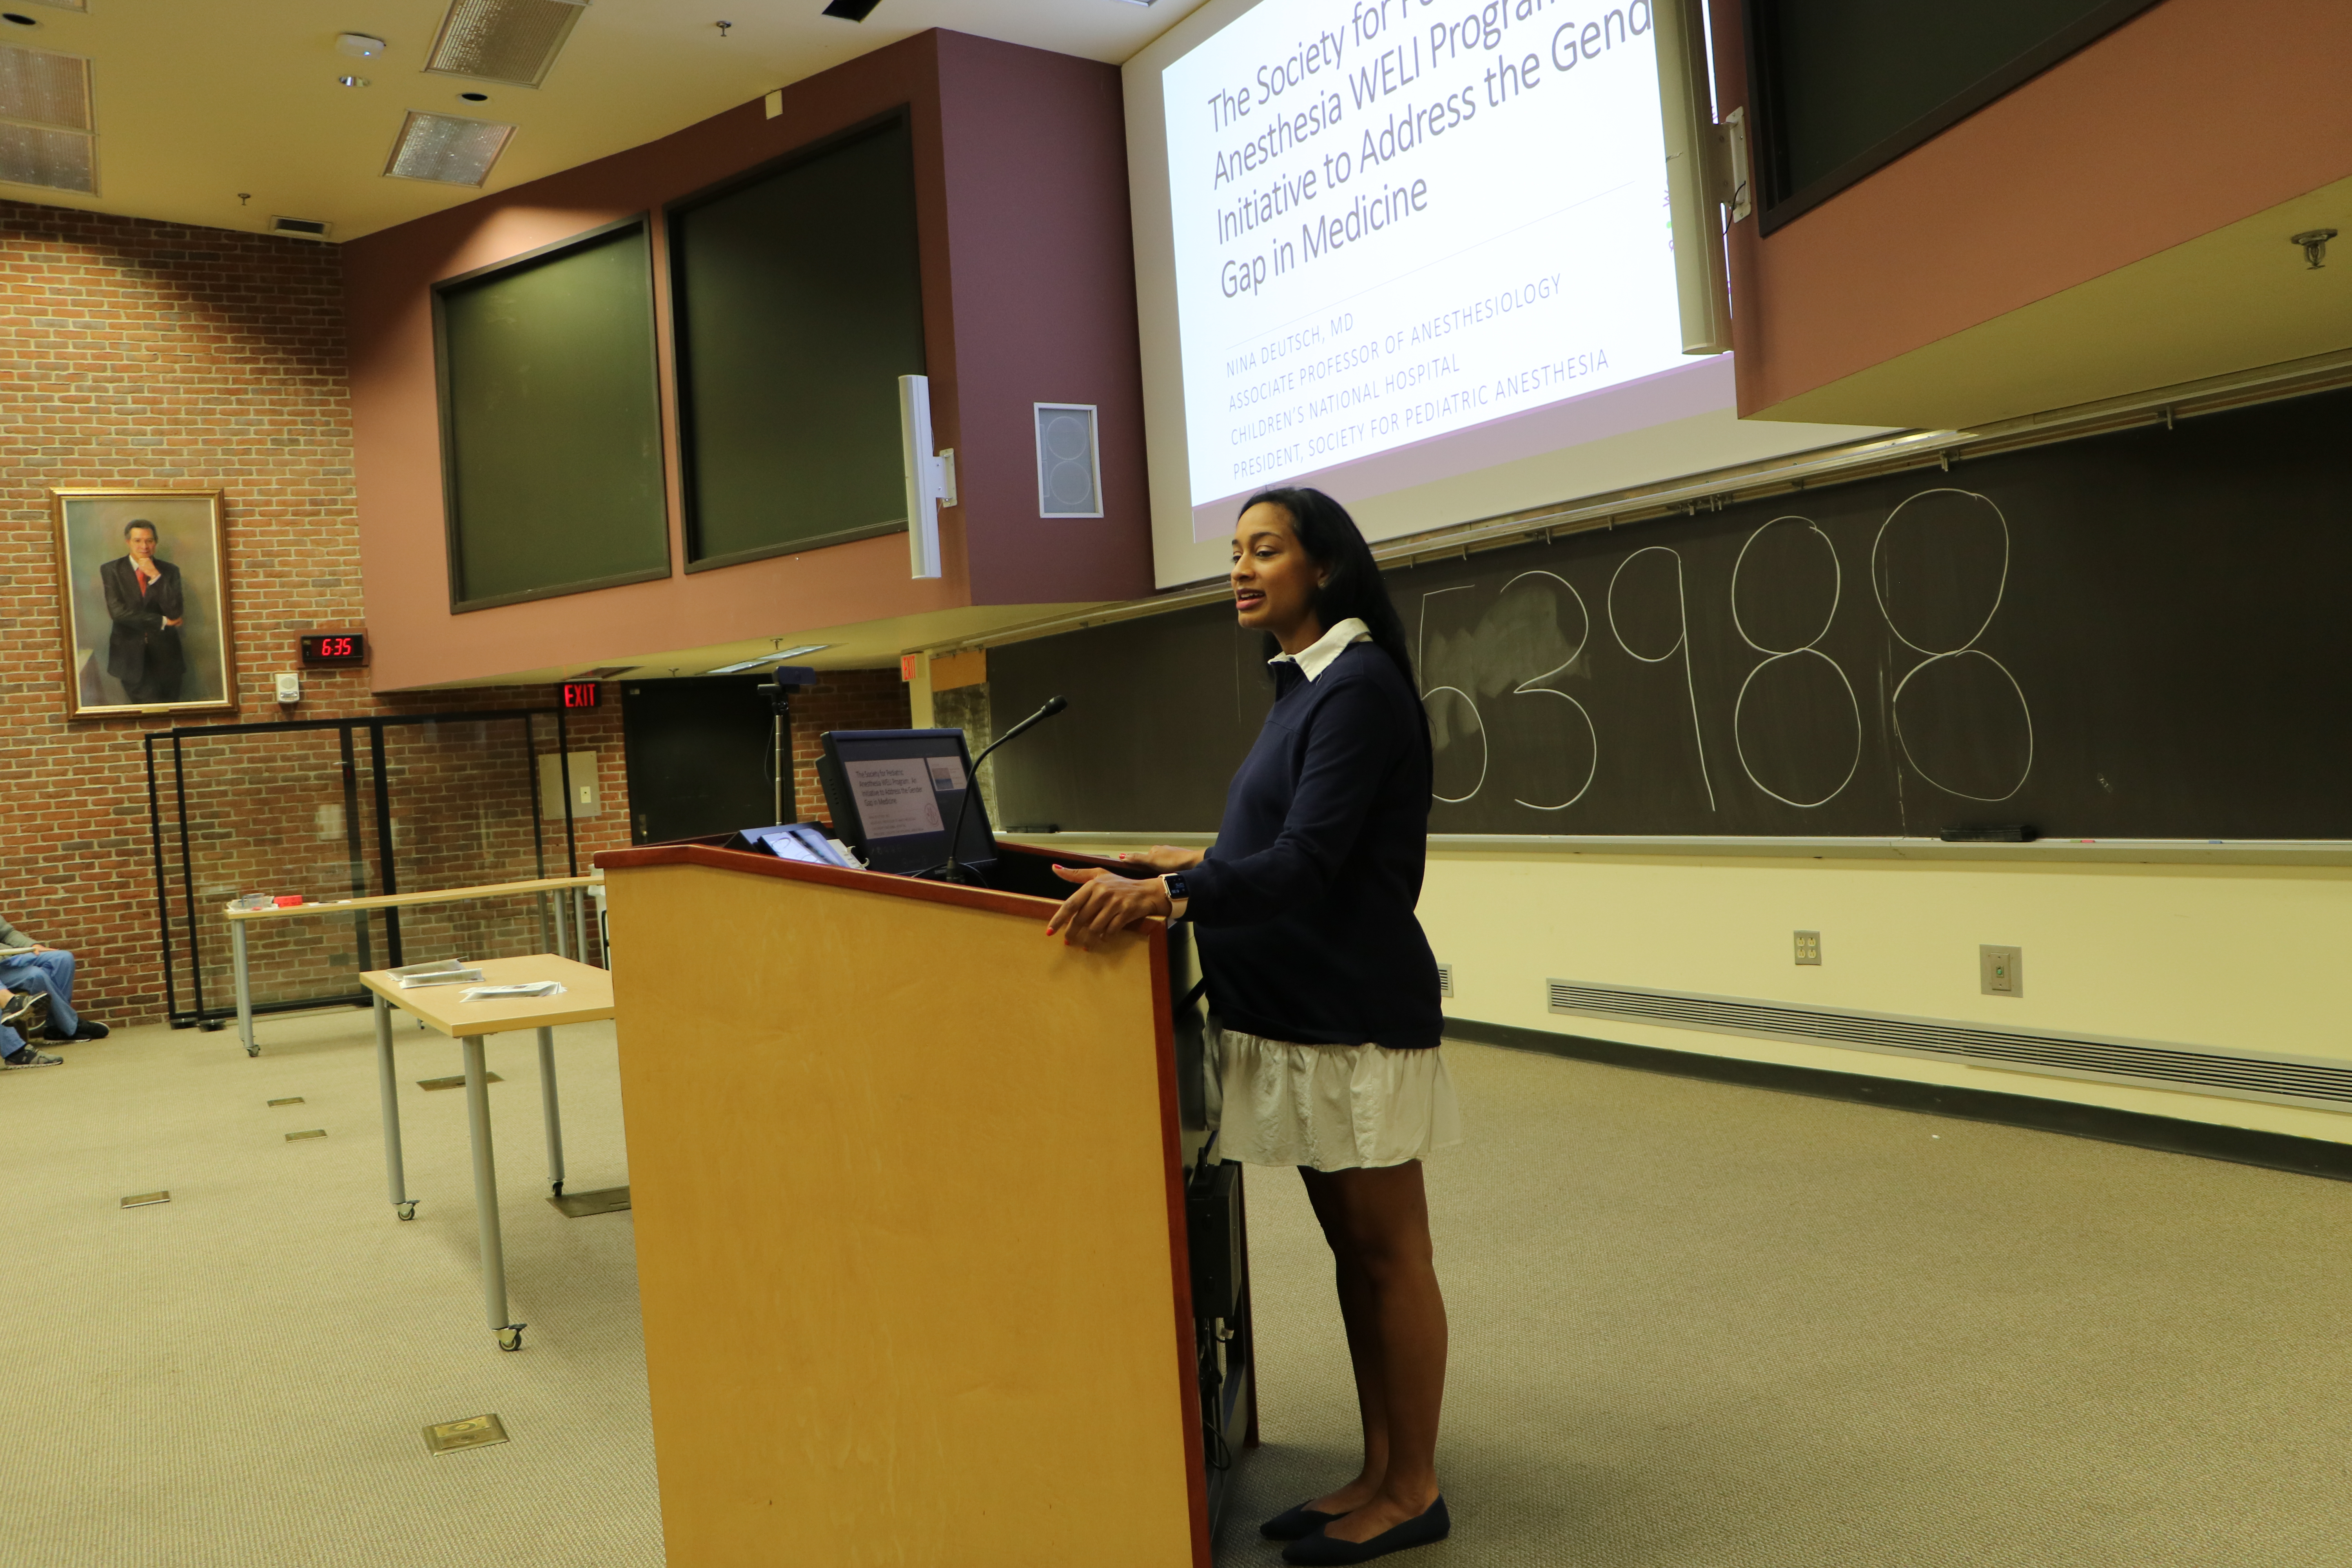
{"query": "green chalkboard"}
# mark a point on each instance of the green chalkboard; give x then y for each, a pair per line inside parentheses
(797, 302)
(550, 421)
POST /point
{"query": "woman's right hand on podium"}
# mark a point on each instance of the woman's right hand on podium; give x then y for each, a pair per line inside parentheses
(1166, 858)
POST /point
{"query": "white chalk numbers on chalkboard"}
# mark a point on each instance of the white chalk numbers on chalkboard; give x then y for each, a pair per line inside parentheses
(1533, 687)
(1946, 522)
(1680, 644)
(1809, 648)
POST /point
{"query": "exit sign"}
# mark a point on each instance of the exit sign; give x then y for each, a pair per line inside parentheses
(580, 694)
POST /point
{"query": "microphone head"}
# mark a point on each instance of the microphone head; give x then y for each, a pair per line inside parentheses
(1053, 705)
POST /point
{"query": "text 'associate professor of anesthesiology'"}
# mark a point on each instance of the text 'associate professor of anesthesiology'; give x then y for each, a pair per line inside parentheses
(1394, 219)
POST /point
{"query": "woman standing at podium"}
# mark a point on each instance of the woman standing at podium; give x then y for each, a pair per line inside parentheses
(1325, 1054)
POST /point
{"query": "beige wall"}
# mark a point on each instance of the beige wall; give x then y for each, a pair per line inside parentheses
(2240, 957)
(2244, 958)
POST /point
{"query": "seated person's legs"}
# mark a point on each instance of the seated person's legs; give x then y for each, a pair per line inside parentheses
(16, 1053)
(50, 971)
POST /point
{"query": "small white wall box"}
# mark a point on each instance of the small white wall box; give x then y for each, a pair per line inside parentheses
(587, 800)
(290, 687)
(1069, 467)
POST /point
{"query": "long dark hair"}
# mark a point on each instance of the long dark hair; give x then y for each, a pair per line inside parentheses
(1353, 584)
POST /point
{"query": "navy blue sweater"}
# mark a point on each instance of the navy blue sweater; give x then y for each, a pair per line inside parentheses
(1303, 906)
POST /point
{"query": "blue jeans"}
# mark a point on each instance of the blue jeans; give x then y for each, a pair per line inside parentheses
(52, 972)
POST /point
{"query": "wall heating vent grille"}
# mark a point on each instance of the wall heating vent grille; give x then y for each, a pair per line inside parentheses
(2279, 1080)
(300, 228)
(511, 41)
(1445, 980)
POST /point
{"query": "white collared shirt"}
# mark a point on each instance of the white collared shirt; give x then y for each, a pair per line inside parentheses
(1316, 657)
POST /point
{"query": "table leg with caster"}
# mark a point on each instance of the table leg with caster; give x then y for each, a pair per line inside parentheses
(486, 1197)
(243, 987)
(395, 1176)
(553, 1114)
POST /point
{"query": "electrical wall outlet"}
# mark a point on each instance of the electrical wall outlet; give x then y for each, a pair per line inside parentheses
(2000, 971)
(1809, 947)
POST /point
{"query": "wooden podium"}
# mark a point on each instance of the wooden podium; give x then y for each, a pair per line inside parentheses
(909, 1180)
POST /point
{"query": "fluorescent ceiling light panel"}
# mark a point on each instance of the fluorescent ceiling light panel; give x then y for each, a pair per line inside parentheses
(738, 667)
(512, 41)
(44, 88)
(447, 148)
(45, 119)
(55, 160)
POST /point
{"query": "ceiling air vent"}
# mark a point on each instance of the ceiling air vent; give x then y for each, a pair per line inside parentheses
(503, 40)
(64, 4)
(448, 148)
(44, 124)
(299, 227)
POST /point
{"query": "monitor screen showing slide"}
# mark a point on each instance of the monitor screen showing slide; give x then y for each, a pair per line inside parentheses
(1404, 245)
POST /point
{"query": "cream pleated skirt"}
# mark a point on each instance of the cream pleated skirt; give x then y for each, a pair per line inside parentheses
(1329, 1108)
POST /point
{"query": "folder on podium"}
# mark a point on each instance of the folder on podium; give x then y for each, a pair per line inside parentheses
(930, 1266)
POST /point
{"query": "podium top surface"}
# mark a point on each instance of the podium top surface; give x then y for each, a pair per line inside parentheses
(880, 882)
(587, 996)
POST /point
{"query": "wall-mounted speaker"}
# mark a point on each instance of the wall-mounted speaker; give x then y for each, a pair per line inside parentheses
(1069, 465)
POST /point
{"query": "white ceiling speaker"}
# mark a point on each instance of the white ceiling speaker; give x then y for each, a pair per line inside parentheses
(46, 97)
(1069, 466)
(512, 41)
(448, 149)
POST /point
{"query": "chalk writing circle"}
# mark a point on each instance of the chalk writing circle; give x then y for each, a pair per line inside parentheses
(1938, 556)
(1797, 719)
(1441, 739)
(1593, 739)
(1964, 725)
(1771, 610)
(1667, 612)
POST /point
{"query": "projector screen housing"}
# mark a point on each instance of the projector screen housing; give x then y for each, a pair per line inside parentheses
(1417, 257)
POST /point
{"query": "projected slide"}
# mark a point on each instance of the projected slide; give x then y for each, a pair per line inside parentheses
(1394, 220)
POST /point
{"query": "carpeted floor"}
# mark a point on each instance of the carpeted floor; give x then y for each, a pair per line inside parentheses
(240, 1378)
(1693, 1324)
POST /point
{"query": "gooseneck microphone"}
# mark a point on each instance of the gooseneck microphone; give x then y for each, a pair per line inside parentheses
(951, 869)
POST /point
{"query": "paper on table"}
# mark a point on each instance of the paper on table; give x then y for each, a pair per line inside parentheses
(440, 977)
(499, 993)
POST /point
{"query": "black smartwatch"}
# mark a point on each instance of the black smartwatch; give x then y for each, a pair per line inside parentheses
(1174, 882)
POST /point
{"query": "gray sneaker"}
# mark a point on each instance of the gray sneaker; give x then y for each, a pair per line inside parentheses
(27, 1012)
(30, 1057)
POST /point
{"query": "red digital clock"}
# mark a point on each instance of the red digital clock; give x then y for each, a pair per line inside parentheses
(334, 650)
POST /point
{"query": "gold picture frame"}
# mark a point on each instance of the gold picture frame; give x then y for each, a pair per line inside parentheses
(125, 653)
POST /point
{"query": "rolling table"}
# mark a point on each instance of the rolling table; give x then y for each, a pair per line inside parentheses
(587, 996)
(562, 938)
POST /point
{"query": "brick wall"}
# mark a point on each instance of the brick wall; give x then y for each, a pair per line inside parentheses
(840, 699)
(159, 355)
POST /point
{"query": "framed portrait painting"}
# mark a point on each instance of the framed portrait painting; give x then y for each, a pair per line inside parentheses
(143, 602)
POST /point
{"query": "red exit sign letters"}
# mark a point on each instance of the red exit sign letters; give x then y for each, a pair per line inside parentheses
(580, 694)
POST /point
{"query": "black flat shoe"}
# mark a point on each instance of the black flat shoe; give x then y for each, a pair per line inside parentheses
(1319, 1549)
(1292, 1523)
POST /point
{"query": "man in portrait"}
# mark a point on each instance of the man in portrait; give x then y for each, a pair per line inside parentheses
(144, 598)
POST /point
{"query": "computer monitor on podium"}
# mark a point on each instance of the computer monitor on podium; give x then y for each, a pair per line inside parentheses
(896, 794)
